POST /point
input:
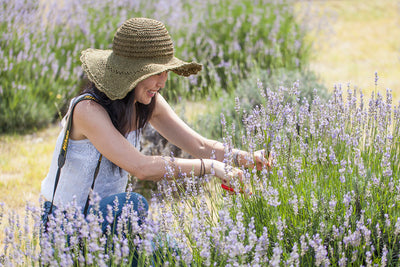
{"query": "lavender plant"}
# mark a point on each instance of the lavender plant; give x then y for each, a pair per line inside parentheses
(41, 43)
(247, 95)
(332, 198)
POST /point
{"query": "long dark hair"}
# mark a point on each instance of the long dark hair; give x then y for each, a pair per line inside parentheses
(121, 110)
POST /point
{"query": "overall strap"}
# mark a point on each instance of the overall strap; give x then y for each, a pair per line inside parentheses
(96, 171)
(63, 151)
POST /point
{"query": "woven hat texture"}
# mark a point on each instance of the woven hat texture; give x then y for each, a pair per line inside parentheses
(141, 48)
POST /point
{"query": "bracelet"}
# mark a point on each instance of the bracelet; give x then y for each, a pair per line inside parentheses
(202, 169)
(235, 158)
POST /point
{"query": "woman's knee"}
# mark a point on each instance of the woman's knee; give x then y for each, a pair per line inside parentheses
(115, 204)
(118, 201)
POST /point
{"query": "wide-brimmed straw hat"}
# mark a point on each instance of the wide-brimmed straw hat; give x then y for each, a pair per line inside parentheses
(141, 48)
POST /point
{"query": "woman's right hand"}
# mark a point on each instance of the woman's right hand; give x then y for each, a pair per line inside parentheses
(227, 175)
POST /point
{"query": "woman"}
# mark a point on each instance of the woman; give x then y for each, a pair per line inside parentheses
(125, 84)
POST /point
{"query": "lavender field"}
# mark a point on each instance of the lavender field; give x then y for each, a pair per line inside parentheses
(331, 199)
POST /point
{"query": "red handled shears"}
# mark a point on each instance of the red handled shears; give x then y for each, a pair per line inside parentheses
(230, 189)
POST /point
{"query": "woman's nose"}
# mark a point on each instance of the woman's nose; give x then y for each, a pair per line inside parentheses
(162, 79)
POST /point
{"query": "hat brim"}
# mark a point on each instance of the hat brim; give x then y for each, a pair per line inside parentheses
(116, 76)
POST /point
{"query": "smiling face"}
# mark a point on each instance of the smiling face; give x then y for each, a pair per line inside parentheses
(145, 90)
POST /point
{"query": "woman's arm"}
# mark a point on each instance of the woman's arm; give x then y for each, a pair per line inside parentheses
(91, 121)
(169, 125)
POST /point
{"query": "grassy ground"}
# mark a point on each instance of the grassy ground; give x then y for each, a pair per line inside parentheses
(24, 161)
(362, 38)
(358, 39)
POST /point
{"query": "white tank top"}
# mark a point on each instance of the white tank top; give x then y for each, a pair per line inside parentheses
(77, 173)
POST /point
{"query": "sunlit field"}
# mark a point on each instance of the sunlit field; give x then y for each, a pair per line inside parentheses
(357, 39)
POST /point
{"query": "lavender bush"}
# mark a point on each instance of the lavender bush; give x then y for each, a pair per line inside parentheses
(41, 43)
(332, 198)
(248, 95)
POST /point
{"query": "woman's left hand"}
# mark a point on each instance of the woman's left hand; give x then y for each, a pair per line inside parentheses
(262, 160)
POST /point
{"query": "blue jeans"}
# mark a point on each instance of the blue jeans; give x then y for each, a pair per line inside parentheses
(139, 204)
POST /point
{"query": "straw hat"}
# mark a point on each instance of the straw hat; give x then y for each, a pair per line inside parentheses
(141, 48)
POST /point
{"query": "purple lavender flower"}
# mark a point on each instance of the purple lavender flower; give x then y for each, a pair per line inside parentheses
(320, 251)
(276, 257)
